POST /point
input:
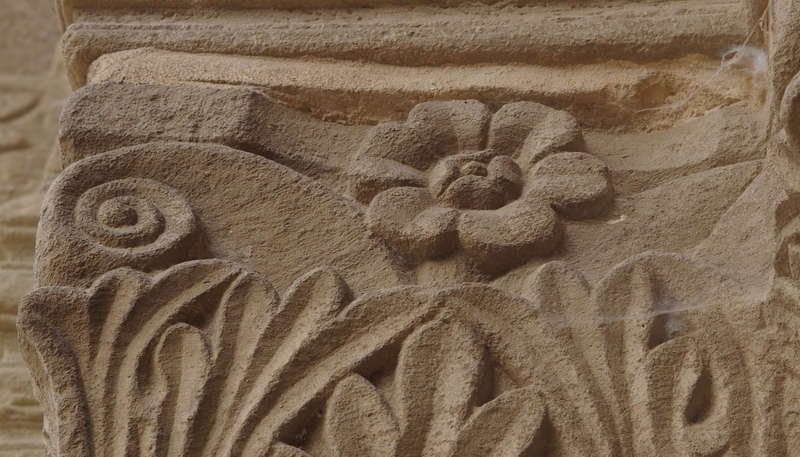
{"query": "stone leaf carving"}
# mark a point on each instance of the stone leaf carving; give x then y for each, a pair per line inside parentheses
(202, 359)
(205, 359)
(456, 176)
(619, 370)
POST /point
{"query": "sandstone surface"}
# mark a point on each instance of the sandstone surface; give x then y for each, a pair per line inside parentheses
(406, 228)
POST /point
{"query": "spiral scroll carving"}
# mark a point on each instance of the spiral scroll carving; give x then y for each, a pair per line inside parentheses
(137, 214)
(128, 222)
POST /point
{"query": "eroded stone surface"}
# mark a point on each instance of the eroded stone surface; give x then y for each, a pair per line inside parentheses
(309, 233)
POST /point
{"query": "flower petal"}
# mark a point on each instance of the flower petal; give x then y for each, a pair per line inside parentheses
(502, 239)
(407, 219)
(370, 176)
(451, 168)
(453, 126)
(397, 142)
(528, 131)
(574, 183)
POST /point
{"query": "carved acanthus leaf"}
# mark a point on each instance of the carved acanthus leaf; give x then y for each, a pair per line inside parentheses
(205, 359)
(202, 359)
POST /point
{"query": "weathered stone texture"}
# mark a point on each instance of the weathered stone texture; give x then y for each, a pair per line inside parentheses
(396, 228)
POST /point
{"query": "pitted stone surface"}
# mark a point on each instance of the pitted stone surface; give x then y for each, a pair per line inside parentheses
(393, 228)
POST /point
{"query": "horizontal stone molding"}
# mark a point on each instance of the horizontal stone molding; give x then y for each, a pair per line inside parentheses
(410, 35)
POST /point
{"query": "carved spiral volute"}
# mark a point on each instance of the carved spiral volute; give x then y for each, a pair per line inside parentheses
(137, 214)
(129, 222)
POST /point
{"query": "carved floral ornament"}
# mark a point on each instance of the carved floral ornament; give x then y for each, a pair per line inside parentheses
(154, 365)
(149, 346)
(457, 177)
(157, 330)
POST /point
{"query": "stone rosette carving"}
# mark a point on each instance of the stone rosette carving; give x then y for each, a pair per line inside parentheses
(455, 176)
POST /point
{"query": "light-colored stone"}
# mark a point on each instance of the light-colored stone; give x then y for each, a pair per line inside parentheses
(28, 35)
(428, 228)
(32, 93)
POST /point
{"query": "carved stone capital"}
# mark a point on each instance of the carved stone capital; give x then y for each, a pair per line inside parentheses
(334, 229)
(205, 359)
